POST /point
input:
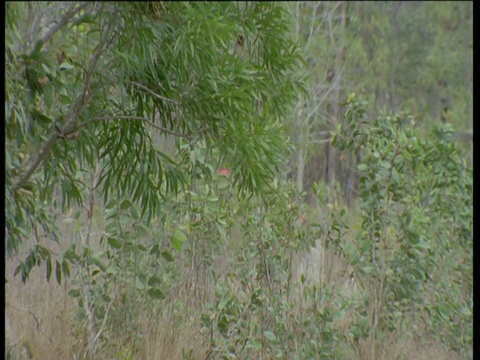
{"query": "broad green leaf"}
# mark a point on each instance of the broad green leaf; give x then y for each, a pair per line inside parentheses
(125, 204)
(270, 336)
(110, 213)
(111, 204)
(141, 247)
(111, 228)
(96, 260)
(74, 293)
(255, 343)
(154, 281)
(115, 243)
(156, 294)
(155, 249)
(134, 213)
(141, 231)
(363, 167)
(222, 183)
(167, 256)
(139, 285)
(178, 239)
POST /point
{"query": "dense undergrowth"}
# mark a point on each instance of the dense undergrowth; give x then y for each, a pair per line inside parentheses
(219, 275)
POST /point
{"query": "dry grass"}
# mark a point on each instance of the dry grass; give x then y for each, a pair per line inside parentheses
(42, 315)
(400, 347)
(166, 340)
(38, 315)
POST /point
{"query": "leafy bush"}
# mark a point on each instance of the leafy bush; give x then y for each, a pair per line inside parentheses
(415, 243)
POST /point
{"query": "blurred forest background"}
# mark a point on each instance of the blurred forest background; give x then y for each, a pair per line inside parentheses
(400, 56)
(239, 180)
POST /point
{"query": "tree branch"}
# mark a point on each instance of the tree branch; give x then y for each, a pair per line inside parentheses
(65, 134)
(63, 21)
(38, 161)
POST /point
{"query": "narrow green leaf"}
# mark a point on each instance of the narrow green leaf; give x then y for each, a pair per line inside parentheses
(66, 66)
(48, 92)
(18, 269)
(49, 268)
(58, 272)
(66, 268)
(423, 245)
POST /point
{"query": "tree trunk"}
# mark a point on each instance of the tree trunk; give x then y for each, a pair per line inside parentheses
(335, 100)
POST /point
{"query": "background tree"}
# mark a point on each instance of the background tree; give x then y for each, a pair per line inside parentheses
(400, 55)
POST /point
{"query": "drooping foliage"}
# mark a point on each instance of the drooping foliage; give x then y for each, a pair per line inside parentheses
(91, 85)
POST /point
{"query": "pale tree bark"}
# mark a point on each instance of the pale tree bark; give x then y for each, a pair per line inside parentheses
(338, 44)
(310, 129)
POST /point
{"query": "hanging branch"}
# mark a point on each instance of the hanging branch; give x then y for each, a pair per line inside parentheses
(69, 130)
(63, 21)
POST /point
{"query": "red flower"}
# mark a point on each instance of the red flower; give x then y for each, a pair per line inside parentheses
(224, 171)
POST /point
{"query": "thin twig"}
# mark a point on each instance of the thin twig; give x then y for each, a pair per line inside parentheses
(104, 321)
(138, 118)
(154, 93)
(98, 51)
(24, 308)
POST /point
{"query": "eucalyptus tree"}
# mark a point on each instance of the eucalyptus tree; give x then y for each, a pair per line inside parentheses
(320, 29)
(89, 86)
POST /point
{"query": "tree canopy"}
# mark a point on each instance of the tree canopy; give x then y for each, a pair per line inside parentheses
(96, 85)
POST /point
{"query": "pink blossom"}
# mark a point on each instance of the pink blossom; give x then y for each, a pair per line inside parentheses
(224, 171)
